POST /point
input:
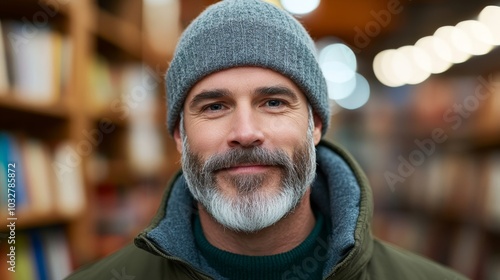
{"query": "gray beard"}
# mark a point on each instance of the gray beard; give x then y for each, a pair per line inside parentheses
(252, 209)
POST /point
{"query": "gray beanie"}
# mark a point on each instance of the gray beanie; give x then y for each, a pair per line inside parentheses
(236, 33)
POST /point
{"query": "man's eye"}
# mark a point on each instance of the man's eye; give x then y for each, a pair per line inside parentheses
(214, 107)
(274, 103)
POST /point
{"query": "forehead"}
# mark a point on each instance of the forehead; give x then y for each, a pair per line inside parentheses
(244, 79)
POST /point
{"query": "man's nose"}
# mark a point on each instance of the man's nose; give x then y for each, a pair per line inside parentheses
(246, 129)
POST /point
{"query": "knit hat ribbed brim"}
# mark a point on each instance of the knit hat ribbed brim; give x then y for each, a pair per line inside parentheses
(235, 33)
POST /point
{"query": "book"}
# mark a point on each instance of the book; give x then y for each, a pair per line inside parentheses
(4, 152)
(55, 47)
(145, 159)
(66, 58)
(69, 189)
(102, 88)
(22, 200)
(40, 262)
(486, 117)
(36, 159)
(10, 153)
(45, 182)
(40, 253)
(4, 77)
(56, 253)
(466, 250)
(5, 273)
(25, 258)
(492, 197)
(35, 74)
(461, 190)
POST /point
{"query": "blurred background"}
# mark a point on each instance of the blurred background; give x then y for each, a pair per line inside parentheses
(415, 94)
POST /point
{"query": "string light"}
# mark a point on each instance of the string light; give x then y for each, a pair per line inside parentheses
(437, 53)
(300, 6)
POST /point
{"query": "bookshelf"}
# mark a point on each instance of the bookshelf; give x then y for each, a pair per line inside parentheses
(102, 83)
(44, 46)
(445, 202)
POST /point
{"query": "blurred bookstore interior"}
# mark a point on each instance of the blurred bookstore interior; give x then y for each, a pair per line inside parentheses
(415, 94)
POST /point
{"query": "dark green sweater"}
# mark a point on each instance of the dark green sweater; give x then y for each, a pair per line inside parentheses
(303, 262)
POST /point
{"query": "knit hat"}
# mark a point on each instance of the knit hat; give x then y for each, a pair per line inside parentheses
(236, 33)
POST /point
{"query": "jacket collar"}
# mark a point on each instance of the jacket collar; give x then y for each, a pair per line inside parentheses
(349, 199)
(359, 256)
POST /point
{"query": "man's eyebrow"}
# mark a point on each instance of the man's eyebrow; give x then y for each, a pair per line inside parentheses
(208, 94)
(277, 90)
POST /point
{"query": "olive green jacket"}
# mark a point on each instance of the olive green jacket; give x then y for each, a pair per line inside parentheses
(367, 258)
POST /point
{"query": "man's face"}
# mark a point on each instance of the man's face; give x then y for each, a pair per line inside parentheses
(247, 141)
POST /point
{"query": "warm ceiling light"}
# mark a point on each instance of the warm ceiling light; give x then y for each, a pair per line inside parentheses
(490, 17)
(436, 49)
(435, 54)
(276, 3)
(157, 2)
(300, 6)
(481, 40)
(418, 62)
(400, 66)
(382, 67)
(456, 41)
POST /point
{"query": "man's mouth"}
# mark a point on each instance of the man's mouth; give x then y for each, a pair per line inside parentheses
(247, 168)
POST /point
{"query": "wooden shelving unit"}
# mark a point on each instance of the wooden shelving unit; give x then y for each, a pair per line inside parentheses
(93, 31)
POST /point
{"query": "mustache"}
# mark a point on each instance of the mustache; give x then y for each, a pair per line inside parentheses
(241, 156)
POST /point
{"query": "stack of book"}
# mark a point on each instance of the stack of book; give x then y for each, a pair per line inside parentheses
(48, 181)
(34, 62)
(41, 254)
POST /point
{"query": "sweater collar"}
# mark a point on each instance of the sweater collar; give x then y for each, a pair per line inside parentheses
(237, 266)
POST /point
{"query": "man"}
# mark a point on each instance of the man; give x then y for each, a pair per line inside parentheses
(260, 197)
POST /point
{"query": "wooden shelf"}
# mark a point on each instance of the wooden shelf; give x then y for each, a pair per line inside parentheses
(117, 32)
(22, 8)
(50, 122)
(116, 118)
(29, 220)
(9, 103)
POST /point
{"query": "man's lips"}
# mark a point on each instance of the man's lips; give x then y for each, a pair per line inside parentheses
(247, 168)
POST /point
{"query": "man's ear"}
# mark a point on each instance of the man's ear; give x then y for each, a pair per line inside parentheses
(177, 137)
(318, 126)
